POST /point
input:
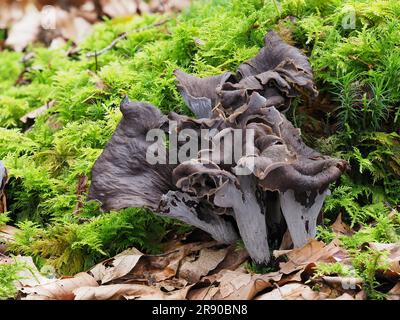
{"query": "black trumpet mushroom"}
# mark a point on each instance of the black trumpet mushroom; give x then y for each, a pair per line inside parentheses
(3, 182)
(274, 179)
(3, 178)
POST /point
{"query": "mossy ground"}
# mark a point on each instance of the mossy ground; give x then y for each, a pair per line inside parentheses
(356, 69)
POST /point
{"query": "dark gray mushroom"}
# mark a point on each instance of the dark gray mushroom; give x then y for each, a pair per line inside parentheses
(199, 94)
(279, 73)
(3, 177)
(122, 176)
(3, 182)
(277, 179)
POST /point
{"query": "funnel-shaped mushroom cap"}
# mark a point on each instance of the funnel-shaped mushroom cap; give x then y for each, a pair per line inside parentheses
(122, 177)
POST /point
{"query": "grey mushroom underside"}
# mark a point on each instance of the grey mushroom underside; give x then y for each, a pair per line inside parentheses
(249, 216)
(301, 220)
(185, 208)
(199, 93)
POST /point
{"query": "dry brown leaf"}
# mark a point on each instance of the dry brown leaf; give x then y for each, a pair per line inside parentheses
(294, 277)
(30, 117)
(287, 242)
(59, 289)
(336, 286)
(171, 284)
(132, 266)
(394, 293)
(281, 252)
(345, 296)
(153, 269)
(25, 30)
(123, 264)
(116, 267)
(393, 258)
(236, 285)
(203, 293)
(30, 275)
(5, 259)
(128, 292)
(233, 259)
(340, 228)
(343, 283)
(207, 261)
(313, 251)
(11, 11)
(71, 26)
(293, 291)
(120, 8)
(168, 5)
(7, 233)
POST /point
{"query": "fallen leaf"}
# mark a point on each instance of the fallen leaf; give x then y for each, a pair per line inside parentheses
(30, 275)
(287, 242)
(118, 8)
(6, 260)
(71, 26)
(394, 293)
(204, 293)
(7, 233)
(233, 259)
(235, 285)
(152, 269)
(208, 260)
(168, 5)
(128, 292)
(30, 117)
(393, 257)
(133, 267)
(25, 30)
(293, 291)
(343, 283)
(172, 284)
(340, 228)
(362, 295)
(62, 289)
(116, 267)
(313, 251)
(345, 296)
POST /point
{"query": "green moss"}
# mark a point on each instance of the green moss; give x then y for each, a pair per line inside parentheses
(332, 269)
(9, 274)
(10, 68)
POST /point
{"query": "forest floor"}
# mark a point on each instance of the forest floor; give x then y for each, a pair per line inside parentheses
(59, 98)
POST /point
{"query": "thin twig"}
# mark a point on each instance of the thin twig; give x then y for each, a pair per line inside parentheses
(123, 36)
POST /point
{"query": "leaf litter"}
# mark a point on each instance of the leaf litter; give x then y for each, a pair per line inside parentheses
(203, 271)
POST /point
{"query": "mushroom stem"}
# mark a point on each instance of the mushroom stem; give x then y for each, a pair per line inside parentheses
(249, 217)
(301, 220)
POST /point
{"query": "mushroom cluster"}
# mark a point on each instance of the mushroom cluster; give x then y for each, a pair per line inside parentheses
(276, 183)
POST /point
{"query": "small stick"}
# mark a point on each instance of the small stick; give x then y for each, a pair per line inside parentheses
(95, 59)
(123, 36)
